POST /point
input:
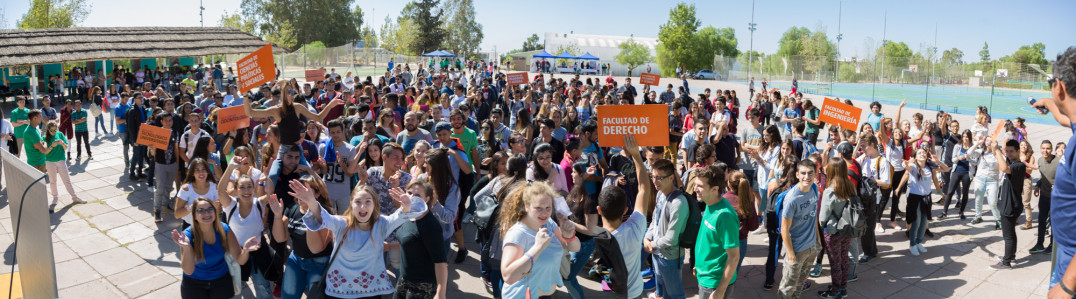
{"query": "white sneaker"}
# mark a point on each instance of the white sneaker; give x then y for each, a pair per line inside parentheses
(879, 229)
(760, 231)
(914, 249)
(921, 248)
(152, 190)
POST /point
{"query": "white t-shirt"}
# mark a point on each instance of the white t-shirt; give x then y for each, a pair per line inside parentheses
(337, 182)
(189, 140)
(245, 228)
(188, 195)
(875, 168)
(5, 128)
(629, 236)
(255, 174)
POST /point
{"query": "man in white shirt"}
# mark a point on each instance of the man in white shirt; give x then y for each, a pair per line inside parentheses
(873, 167)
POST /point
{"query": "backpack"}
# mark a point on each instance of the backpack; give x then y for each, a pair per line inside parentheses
(878, 168)
(850, 222)
(807, 148)
(694, 220)
(485, 215)
(608, 251)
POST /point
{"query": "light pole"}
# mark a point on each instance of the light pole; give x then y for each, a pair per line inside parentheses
(837, 64)
(934, 53)
(885, 20)
(751, 52)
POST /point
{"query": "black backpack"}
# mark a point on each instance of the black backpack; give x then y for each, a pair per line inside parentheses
(694, 220)
(608, 251)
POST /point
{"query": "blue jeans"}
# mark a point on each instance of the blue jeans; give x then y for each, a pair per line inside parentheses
(743, 254)
(579, 259)
(670, 284)
(100, 123)
(262, 289)
(300, 273)
(274, 170)
(917, 228)
(138, 160)
(126, 148)
(491, 270)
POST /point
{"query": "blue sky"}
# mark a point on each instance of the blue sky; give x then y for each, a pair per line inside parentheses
(963, 24)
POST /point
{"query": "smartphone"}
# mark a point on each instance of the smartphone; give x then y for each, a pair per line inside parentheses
(1032, 100)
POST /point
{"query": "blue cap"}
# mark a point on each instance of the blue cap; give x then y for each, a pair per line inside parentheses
(444, 125)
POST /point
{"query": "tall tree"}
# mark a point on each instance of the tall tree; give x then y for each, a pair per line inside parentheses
(429, 24)
(237, 21)
(3, 20)
(677, 37)
(369, 37)
(398, 36)
(793, 41)
(952, 57)
(54, 14)
(464, 34)
(533, 43)
(633, 54)
(307, 20)
(709, 42)
(1033, 54)
(984, 54)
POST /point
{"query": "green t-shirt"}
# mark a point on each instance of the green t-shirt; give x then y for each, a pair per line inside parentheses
(720, 231)
(31, 137)
(77, 115)
(57, 154)
(809, 127)
(469, 140)
(17, 115)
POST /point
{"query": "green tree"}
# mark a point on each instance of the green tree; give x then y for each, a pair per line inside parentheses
(54, 14)
(429, 24)
(306, 21)
(532, 43)
(464, 34)
(1033, 54)
(952, 57)
(571, 48)
(677, 38)
(710, 41)
(397, 36)
(369, 37)
(984, 54)
(897, 55)
(237, 21)
(806, 51)
(633, 54)
(315, 52)
(792, 41)
(848, 73)
(3, 20)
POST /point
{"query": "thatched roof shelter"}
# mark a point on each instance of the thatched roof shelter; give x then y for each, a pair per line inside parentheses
(57, 45)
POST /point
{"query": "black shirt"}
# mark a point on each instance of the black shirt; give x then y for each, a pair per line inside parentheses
(297, 233)
(558, 148)
(421, 247)
(726, 150)
(626, 167)
(281, 188)
(677, 124)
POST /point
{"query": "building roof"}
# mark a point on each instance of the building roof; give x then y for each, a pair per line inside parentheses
(58, 45)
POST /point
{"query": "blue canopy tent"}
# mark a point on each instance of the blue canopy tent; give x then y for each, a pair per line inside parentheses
(544, 54)
(565, 55)
(439, 53)
(587, 56)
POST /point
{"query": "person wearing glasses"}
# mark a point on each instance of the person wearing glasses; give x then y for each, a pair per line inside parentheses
(662, 237)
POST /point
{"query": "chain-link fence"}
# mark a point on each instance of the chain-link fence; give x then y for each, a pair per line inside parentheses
(359, 61)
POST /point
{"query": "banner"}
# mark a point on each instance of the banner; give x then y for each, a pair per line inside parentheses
(997, 131)
(839, 114)
(649, 79)
(518, 78)
(154, 136)
(648, 123)
(232, 118)
(256, 68)
(315, 75)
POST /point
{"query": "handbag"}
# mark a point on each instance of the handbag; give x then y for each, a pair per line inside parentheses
(95, 110)
(317, 289)
(235, 272)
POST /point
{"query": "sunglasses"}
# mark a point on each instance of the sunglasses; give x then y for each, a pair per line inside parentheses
(205, 211)
(1052, 81)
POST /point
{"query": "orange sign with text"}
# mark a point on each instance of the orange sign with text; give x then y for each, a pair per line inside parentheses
(232, 118)
(840, 114)
(256, 68)
(649, 79)
(648, 123)
(518, 78)
(154, 136)
(997, 131)
(315, 75)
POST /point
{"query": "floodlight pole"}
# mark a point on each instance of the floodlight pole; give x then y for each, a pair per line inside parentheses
(926, 95)
(201, 13)
(837, 64)
(885, 20)
(751, 52)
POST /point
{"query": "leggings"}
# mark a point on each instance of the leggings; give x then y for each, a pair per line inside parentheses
(196, 288)
(822, 253)
(895, 197)
(80, 139)
(964, 181)
(772, 254)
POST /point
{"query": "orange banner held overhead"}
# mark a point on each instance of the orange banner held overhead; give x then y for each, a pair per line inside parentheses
(518, 78)
(232, 118)
(648, 123)
(256, 68)
(315, 75)
(649, 79)
(154, 136)
(840, 114)
(997, 131)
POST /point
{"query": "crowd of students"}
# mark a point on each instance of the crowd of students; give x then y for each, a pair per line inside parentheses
(359, 189)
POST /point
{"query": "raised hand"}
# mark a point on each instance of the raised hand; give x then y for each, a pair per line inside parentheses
(631, 146)
(252, 244)
(276, 204)
(567, 227)
(302, 192)
(394, 180)
(542, 239)
(902, 102)
(180, 239)
(401, 197)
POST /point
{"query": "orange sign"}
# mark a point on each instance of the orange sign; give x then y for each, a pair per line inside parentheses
(315, 75)
(997, 131)
(256, 68)
(649, 79)
(154, 136)
(232, 118)
(840, 114)
(648, 123)
(518, 78)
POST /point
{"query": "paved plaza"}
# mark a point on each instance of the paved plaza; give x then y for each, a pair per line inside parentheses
(111, 248)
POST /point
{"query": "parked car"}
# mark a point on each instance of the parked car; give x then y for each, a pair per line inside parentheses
(708, 74)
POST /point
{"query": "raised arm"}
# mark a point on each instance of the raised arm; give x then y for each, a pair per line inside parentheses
(643, 177)
(259, 113)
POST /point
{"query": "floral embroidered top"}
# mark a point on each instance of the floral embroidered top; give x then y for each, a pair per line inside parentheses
(359, 270)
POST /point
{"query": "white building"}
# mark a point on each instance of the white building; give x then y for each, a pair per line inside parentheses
(605, 47)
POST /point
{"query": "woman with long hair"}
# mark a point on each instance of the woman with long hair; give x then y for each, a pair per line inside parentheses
(98, 99)
(416, 161)
(56, 163)
(361, 232)
(960, 176)
(1027, 155)
(895, 146)
(310, 249)
(202, 249)
(386, 123)
(985, 179)
(199, 182)
(533, 242)
(920, 179)
(542, 168)
(247, 165)
(446, 189)
(784, 177)
(203, 149)
(515, 168)
(370, 154)
(835, 199)
(246, 214)
(287, 112)
(742, 199)
(768, 157)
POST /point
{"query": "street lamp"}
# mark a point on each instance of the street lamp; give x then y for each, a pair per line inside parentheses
(751, 53)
